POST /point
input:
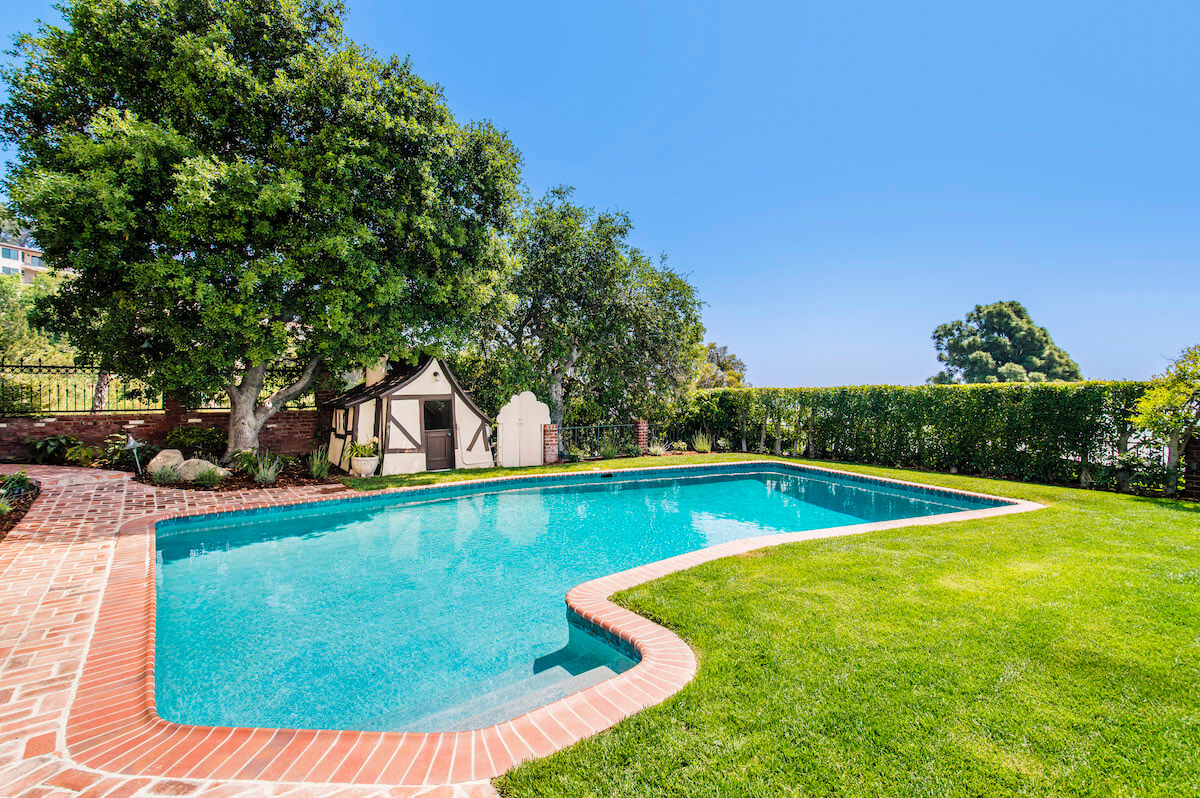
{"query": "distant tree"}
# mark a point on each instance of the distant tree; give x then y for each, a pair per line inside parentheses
(1170, 408)
(11, 229)
(721, 369)
(239, 187)
(1000, 343)
(21, 340)
(591, 322)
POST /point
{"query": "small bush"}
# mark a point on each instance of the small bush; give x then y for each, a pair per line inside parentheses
(678, 446)
(245, 461)
(84, 455)
(631, 450)
(656, 450)
(318, 462)
(164, 476)
(722, 445)
(5, 505)
(267, 468)
(19, 481)
(702, 443)
(574, 454)
(51, 450)
(608, 449)
(209, 477)
(197, 441)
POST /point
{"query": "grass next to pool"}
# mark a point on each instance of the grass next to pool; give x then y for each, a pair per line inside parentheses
(1054, 652)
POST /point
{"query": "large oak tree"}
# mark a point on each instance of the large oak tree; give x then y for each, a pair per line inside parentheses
(239, 187)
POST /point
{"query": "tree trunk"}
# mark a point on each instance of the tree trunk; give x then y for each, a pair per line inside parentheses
(101, 392)
(247, 416)
(558, 375)
(1174, 454)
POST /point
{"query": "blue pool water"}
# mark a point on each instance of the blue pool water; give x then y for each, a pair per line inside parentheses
(445, 610)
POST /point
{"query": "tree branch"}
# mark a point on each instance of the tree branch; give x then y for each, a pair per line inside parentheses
(284, 395)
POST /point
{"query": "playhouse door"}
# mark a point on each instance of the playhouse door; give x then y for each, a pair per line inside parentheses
(439, 434)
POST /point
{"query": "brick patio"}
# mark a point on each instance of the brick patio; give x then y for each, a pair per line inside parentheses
(77, 643)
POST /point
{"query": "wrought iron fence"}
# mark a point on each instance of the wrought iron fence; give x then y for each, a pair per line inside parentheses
(32, 389)
(28, 389)
(606, 440)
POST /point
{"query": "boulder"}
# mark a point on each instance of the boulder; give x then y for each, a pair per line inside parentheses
(188, 470)
(167, 458)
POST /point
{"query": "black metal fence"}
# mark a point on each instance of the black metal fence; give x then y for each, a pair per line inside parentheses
(607, 440)
(32, 389)
(28, 389)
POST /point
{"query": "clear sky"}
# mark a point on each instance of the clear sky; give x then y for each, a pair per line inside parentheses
(838, 178)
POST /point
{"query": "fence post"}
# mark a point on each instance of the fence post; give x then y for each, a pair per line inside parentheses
(643, 435)
(549, 443)
(1191, 469)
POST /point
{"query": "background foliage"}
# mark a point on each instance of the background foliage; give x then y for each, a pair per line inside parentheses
(1068, 433)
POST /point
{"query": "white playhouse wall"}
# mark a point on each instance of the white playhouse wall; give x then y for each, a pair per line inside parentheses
(408, 413)
(466, 424)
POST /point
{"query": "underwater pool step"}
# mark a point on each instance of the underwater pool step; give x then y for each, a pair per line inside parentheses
(516, 699)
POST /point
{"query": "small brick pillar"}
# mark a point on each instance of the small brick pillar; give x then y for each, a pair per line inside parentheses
(549, 443)
(643, 434)
(173, 412)
(1191, 468)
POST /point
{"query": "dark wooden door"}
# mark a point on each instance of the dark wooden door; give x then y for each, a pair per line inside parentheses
(439, 434)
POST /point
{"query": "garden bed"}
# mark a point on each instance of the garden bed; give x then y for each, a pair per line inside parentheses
(293, 475)
(20, 506)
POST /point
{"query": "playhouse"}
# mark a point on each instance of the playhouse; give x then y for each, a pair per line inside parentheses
(423, 419)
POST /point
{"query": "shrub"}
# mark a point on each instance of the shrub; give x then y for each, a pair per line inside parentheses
(5, 505)
(631, 450)
(208, 442)
(722, 445)
(84, 455)
(678, 446)
(318, 462)
(164, 476)
(608, 449)
(702, 443)
(574, 454)
(267, 468)
(19, 481)
(245, 461)
(656, 450)
(210, 477)
(51, 450)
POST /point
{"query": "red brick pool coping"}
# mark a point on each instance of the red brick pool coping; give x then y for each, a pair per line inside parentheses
(112, 730)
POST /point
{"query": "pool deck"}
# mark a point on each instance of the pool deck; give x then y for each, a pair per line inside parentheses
(76, 665)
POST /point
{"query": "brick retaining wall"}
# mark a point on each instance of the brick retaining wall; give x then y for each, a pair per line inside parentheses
(287, 432)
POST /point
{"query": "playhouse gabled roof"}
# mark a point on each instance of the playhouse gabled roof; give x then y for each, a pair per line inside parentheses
(400, 375)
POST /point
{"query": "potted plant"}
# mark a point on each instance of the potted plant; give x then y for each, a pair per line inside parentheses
(364, 458)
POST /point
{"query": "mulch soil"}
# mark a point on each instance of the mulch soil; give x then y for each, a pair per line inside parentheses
(19, 508)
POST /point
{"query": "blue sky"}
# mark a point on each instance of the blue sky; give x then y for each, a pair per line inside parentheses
(838, 178)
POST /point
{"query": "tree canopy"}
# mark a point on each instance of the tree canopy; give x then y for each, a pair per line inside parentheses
(721, 369)
(592, 325)
(238, 187)
(1000, 343)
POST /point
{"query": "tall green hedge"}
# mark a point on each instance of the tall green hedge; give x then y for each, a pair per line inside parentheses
(1044, 432)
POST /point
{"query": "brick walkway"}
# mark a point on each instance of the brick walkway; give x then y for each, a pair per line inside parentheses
(77, 642)
(54, 569)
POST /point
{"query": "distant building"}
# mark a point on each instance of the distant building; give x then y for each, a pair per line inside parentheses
(17, 260)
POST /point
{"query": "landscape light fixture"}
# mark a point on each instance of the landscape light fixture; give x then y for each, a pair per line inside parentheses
(133, 446)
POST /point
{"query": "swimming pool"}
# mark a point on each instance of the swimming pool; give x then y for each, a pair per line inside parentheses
(442, 609)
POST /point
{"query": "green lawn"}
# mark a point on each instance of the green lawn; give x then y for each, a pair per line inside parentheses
(1047, 653)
